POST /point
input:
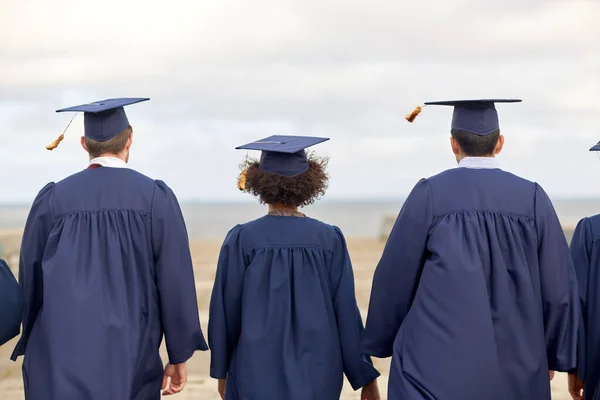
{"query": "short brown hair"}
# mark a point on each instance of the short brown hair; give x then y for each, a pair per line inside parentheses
(297, 191)
(113, 145)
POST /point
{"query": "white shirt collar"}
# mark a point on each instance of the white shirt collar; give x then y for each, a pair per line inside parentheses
(111, 162)
(479, 163)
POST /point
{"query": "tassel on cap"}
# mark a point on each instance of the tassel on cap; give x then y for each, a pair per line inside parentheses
(411, 117)
(59, 139)
(54, 144)
(242, 178)
(242, 181)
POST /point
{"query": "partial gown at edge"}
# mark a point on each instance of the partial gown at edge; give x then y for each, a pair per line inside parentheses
(585, 250)
(11, 304)
(475, 295)
(284, 323)
(106, 270)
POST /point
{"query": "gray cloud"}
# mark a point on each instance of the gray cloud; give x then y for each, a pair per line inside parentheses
(227, 73)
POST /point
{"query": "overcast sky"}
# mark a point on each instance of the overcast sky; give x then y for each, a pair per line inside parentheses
(221, 73)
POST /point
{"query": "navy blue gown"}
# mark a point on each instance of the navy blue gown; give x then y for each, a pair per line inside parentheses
(106, 270)
(585, 250)
(284, 323)
(11, 304)
(475, 296)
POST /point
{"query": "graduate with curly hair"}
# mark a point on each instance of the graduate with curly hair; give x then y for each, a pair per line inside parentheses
(284, 323)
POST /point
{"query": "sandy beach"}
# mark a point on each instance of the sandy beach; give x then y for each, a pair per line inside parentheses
(364, 253)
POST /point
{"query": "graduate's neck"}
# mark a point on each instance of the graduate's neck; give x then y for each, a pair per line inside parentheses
(281, 207)
(122, 156)
(462, 155)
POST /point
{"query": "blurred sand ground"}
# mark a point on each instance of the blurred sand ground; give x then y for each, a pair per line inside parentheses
(365, 254)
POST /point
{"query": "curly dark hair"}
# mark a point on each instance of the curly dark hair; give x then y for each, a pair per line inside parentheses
(298, 191)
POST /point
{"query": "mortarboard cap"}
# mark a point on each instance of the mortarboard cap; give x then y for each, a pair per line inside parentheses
(103, 119)
(595, 147)
(283, 155)
(474, 116)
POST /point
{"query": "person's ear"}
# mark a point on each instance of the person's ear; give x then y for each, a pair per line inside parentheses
(455, 146)
(499, 144)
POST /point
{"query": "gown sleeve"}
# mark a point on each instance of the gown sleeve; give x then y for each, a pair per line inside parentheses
(175, 277)
(225, 322)
(358, 367)
(35, 236)
(581, 244)
(560, 298)
(397, 274)
(11, 304)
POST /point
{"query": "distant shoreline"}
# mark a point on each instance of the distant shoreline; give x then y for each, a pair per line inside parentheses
(246, 200)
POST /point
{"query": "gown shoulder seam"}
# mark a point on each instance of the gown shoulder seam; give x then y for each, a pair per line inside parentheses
(483, 211)
(145, 213)
(287, 246)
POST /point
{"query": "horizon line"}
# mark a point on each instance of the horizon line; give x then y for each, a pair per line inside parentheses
(334, 199)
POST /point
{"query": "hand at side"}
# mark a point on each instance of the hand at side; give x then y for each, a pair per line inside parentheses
(178, 377)
(575, 387)
(370, 391)
(221, 388)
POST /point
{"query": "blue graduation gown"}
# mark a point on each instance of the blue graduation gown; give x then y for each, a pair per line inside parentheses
(284, 323)
(11, 304)
(475, 296)
(106, 269)
(585, 250)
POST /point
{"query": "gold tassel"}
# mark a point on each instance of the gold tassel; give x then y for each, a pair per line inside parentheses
(59, 139)
(242, 181)
(411, 117)
(54, 144)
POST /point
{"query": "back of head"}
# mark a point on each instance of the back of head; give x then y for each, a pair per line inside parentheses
(284, 175)
(296, 191)
(113, 146)
(473, 145)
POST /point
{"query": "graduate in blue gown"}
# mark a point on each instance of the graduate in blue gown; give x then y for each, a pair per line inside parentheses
(475, 295)
(584, 381)
(11, 304)
(106, 270)
(284, 323)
